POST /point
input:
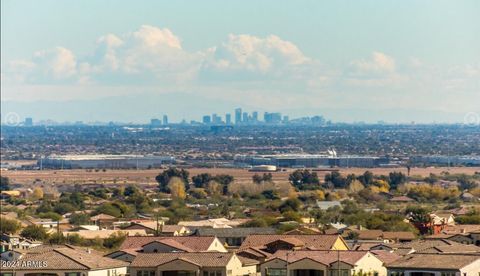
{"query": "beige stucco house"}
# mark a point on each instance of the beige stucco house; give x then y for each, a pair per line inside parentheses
(192, 264)
(63, 261)
(322, 263)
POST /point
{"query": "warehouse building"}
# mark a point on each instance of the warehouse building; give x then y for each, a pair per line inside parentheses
(97, 161)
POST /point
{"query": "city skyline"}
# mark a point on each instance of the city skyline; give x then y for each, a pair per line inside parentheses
(131, 68)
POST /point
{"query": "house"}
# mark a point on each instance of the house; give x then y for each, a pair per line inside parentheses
(233, 236)
(214, 223)
(324, 205)
(10, 242)
(152, 227)
(63, 260)
(466, 196)
(319, 263)
(464, 233)
(103, 220)
(433, 246)
(192, 264)
(304, 230)
(260, 247)
(436, 265)
(132, 246)
(401, 199)
(103, 234)
(386, 237)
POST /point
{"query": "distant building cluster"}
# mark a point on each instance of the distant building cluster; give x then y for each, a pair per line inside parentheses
(447, 160)
(311, 160)
(96, 161)
(241, 117)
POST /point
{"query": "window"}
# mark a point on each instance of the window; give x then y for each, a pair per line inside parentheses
(343, 272)
(187, 273)
(276, 272)
(72, 273)
(146, 273)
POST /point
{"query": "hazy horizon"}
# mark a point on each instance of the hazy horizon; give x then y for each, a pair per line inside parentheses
(348, 61)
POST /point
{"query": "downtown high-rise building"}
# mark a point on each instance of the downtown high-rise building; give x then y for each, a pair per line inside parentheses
(206, 119)
(238, 116)
(165, 120)
(228, 119)
(255, 116)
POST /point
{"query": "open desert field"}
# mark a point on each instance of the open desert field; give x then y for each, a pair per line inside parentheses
(148, 176)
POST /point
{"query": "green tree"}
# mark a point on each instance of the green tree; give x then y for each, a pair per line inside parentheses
(201, 180)
(396, 178)
(79, 219)
(164, 178)
(4, 183)
(9, 226)
(336, 179)
(304, 179)
(114, 241)
(291, 204)
(34, 232)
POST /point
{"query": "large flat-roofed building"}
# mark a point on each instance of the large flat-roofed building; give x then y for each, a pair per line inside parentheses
(97, 161)
(311, 160)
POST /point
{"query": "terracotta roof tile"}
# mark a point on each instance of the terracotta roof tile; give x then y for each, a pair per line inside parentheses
(194, 243)
(319, 242)
(204, 259)
(434, 261)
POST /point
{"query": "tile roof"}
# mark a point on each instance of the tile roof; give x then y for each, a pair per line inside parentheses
(456, 248)
(203, 259)
(194, 243)
(234, 232)
(434, 261)
(400, 235)
(318, 242)
(424, 245)
(321, 256)
(103, 234)
(103, 217)
(385, 256)
(66, 258)
(174, 244)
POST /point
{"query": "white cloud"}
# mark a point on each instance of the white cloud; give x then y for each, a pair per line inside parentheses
(58, 62)
(379, 63)
(254, 54)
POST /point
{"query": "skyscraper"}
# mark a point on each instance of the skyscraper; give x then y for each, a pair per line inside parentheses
(272, 118)
(206, 119)
(155, 122)
(216, 119)
(255, 116)
(165, 120)
(228, 119)
(245, 117)
(28, 122)
(238, 116)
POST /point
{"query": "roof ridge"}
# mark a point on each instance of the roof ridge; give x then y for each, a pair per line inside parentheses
(63, 254)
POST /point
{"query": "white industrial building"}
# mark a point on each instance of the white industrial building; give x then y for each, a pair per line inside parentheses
(97, 161)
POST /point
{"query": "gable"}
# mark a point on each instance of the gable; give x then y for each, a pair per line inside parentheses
(159, 247)
(178, 264)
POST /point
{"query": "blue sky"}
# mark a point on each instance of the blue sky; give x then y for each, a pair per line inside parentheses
(397, 61)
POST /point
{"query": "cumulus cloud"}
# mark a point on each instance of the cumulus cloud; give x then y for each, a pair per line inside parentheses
(379, 62)
(254, 54)
(379, 70)
(58, 62)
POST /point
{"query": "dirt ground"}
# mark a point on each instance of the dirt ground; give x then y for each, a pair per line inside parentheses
(148, 176)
